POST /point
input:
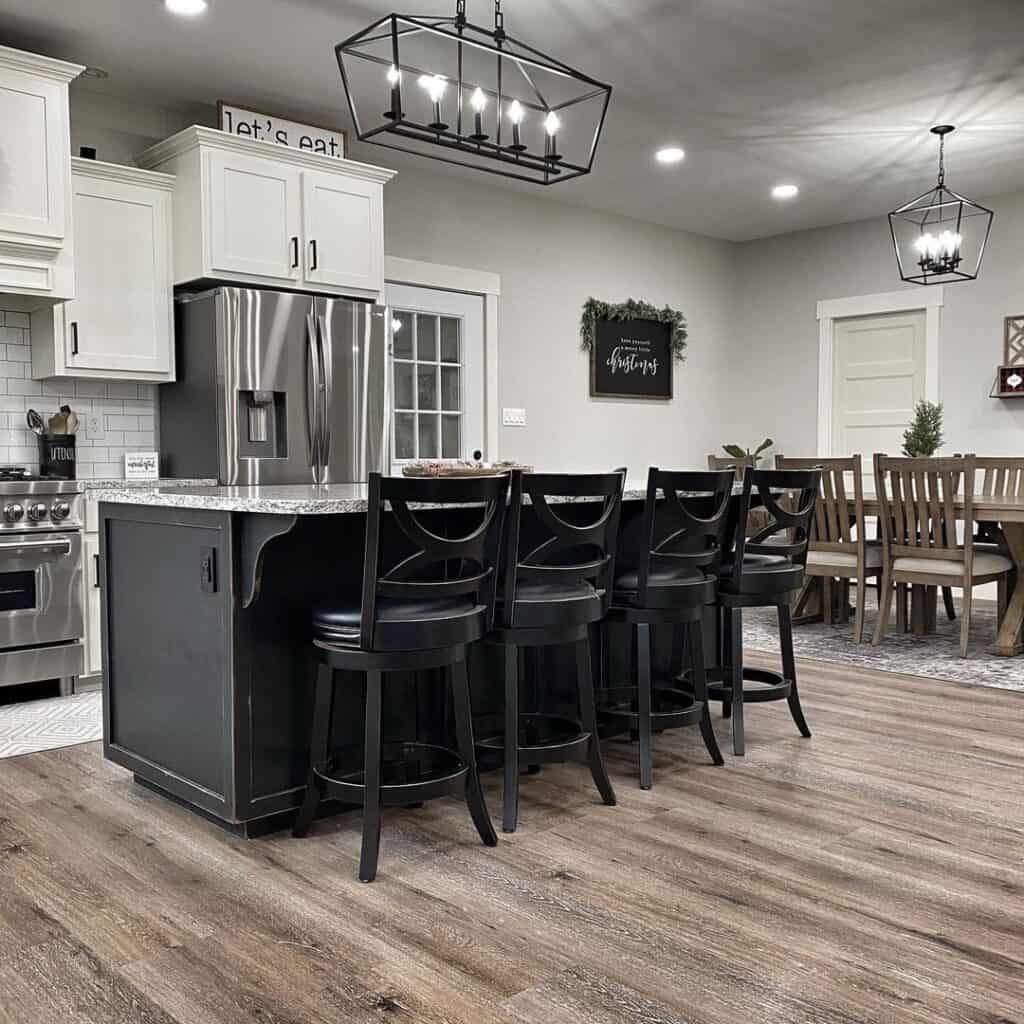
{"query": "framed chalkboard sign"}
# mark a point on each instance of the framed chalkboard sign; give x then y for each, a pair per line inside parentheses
(631, 359)
(632, 346)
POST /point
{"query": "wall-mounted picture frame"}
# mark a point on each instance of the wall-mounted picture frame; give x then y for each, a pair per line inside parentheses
(256, 124)
(633, 347)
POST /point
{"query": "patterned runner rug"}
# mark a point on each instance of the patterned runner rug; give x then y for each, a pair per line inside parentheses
(51, 723)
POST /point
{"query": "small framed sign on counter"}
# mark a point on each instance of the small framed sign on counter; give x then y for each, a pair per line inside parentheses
(142, 466)
(254, 124)
(631, 359)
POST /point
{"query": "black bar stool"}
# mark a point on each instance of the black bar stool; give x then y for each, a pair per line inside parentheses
(670, 576)
(550, 595)
(424, 598)
(761, 572)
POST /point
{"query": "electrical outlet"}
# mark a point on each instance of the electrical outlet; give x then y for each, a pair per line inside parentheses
(94, 429)
(513, 417)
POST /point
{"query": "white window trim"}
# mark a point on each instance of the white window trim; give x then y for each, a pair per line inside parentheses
(473, 282)
(829, 310)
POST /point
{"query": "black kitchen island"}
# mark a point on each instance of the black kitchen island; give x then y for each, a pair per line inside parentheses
(207, 656)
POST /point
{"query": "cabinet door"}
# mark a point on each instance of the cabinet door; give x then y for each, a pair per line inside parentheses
(343, 228)
(121, 317)
(254, 218)
(34, 157)
(93, 627)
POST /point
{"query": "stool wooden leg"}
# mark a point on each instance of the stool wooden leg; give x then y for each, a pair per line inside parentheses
(371, 778)
(319, 747)
(724, 649)
(789, 668)
(510, 808)
(947, 600)
(588, 716)
(643, 682)
(700, 689)
(734, 627)
(459, 678)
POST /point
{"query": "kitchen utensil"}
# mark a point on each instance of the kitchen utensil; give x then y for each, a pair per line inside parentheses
(35, 422)
(72, 419)
(57, 424)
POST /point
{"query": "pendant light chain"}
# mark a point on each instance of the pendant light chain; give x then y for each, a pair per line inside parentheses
(942, 162)
(499, 21)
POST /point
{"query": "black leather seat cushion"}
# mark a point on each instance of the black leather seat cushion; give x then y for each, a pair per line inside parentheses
(666, 589)
(539, 604)
(402, 623)
(762, 574)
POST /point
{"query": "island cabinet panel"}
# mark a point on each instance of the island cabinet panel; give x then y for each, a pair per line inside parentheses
(167, 657)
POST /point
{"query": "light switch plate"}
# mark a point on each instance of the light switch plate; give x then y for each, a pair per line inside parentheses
(94, 429)
(513, 417)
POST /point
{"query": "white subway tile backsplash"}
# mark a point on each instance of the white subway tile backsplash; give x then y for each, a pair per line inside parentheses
(128, 409)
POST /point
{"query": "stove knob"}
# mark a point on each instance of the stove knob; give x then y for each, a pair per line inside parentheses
(37, 511)
(13, 512)
(60, 510)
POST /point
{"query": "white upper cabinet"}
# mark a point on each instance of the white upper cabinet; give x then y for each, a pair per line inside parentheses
(120, 323)
(35, 177)
(254, 218)
(338, 213)
(257, 213)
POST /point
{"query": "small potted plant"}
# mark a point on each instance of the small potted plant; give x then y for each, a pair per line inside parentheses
(923, 438)
(745, 454)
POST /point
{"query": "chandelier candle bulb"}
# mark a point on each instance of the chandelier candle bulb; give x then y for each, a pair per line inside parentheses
(515, 115)
(435, 86)
(478, 101)
(395, 81)
(551, 126)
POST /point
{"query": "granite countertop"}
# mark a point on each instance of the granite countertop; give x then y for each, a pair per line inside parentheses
(291, 499)
(116, 484)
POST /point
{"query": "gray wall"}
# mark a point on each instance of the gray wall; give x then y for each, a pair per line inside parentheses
(775, 340)
(551, 257)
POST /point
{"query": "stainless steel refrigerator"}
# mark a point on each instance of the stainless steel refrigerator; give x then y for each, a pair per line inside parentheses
(276, 388)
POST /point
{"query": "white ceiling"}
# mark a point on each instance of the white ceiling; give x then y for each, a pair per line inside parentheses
(834, 95)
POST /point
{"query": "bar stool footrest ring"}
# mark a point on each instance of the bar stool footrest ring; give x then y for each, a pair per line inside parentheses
(766, 685)
(671, 707)
(410, 772)
(542, 738)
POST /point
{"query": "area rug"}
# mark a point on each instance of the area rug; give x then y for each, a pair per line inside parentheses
(51, 723)
(936, 656)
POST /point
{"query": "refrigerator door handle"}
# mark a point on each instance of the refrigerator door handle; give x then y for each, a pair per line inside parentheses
(326, 345)
(313, 402)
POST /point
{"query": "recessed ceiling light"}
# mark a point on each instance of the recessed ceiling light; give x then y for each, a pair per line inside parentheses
(669, 155)
(784, 191)
(189, 8)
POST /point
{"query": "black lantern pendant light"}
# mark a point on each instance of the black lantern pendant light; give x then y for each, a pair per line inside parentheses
(454, 91)
(940, 236)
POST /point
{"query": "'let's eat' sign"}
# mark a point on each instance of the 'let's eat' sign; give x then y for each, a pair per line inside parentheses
(251, 124)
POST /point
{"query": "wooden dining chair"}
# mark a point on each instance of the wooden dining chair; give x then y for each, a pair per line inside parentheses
(917, 500)
(839, 548)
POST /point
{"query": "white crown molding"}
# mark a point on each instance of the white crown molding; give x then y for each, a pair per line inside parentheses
(37, 64)
(101, 171)
(438, 275)
(197, 135)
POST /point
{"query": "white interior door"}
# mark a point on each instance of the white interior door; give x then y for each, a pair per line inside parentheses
(878, 377)
(437, 366)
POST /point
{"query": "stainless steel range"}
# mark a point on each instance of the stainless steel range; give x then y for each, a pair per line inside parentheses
(40, 579)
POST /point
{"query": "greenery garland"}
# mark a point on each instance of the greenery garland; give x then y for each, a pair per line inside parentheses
(632, 309)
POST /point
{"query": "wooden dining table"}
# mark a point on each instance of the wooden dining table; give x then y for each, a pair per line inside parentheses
(1008, 513)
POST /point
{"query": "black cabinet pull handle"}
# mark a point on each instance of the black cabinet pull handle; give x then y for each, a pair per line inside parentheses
(294, 244)
(74, 337)
(312, 247)
(96, 565)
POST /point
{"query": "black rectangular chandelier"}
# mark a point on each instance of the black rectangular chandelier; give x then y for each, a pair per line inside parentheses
(450, 90)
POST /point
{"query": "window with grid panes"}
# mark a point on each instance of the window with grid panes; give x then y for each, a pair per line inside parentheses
(428, 380)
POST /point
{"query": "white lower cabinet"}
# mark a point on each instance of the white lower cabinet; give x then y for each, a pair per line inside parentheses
(91, 582)
(120, 325)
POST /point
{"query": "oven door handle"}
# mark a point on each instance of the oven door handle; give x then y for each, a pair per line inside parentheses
(59, 547)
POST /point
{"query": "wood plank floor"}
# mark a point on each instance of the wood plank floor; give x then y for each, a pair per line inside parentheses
(872, 873)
